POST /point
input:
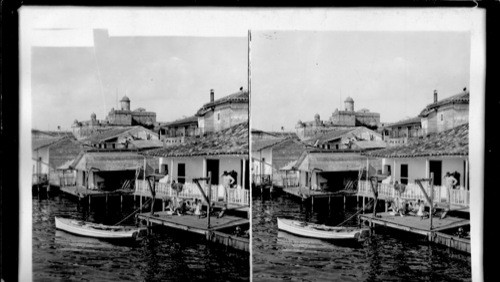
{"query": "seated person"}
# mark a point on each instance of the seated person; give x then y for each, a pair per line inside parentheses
(421, 211)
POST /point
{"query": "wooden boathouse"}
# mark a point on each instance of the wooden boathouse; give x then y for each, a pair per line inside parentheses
(327, 173)
(416, 171)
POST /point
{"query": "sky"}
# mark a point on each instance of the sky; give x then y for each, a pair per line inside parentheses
(296, 74)
(169, 75)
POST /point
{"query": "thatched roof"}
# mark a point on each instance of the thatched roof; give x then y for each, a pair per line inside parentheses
(460, 98)
(452, 142)
(238, 97)
(230, 141)
(109, 161)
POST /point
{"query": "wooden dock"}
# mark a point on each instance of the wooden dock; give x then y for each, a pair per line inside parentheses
(81, 192)
(194, 224)
(415, 224)
(306, 193)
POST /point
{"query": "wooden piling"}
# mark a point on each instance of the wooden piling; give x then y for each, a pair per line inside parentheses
(163, 205)
(363, 204)
(89, 201)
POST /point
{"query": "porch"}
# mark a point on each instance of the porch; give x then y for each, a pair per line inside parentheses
(459, 198)
(236, 196)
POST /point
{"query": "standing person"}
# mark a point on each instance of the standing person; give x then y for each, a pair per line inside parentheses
(450, 182)
(227, 181)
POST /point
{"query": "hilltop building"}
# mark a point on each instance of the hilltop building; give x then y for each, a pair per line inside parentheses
(122, 117)
(340, 118)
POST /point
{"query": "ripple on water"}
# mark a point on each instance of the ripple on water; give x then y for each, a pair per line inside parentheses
(279, 255)
(60, 256)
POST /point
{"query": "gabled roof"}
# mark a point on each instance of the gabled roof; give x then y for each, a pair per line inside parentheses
(188, 120)
(108, 161)
(238, 97)
(330, 161)
(230, 141)
(44, 142)
(116, 132)
(261, 144)
(452, 142)
(460, 98)
(332, 135)
(146, 144)
(413, 120)
(368, 145)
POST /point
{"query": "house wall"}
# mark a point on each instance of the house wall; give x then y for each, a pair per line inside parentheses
(445, 118)
(267, 154)
(196, 167)
(417, 167)
(43, 153)
(225, 116)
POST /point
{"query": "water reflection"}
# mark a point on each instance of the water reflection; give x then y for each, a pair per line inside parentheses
(385, 256)
(165, 255)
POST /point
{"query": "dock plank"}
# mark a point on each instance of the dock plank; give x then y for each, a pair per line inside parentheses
(192, 223)
(307, 193)
(415, 222)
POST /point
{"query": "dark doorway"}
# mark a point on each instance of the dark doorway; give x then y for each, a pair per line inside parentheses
(181, 173)
(213, 167)
(435, 167)
(337, 180)
(404, 174)
(247, 174)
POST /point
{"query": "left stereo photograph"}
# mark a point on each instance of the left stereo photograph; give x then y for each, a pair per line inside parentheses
(140, 153)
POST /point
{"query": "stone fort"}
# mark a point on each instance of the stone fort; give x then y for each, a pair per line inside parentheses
(339, 119)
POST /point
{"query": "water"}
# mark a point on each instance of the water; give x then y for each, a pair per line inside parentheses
(167, 255)
(385, 256)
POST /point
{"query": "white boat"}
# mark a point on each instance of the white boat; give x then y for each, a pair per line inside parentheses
(321, 231)
(95, 230)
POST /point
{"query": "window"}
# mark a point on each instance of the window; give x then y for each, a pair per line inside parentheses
(181, 173)
(404, 174)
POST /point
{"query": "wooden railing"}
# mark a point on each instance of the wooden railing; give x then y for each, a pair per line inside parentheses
(290, 181)
(67, 180)
(460, 197)
(190, 190)
(39, 178)
(261, 179)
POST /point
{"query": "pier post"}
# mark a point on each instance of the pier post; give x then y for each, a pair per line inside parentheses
(344, 202)
(357, 201)
(163, 205)
(89, 201)
(121, 200)
(363, 204)
(140, 202)
(312, 203)
(385, 203)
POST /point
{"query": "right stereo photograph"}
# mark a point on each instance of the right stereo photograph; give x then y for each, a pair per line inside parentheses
(360, 155)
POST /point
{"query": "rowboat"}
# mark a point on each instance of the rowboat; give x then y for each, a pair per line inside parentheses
(95, 230)
(320, 231)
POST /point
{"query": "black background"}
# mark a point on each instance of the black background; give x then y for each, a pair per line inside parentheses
(9, 114)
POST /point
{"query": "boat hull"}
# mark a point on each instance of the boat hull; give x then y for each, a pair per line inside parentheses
(320, 231)
(88, 229)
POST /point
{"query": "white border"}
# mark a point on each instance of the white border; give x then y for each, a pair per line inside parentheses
(237, 22)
